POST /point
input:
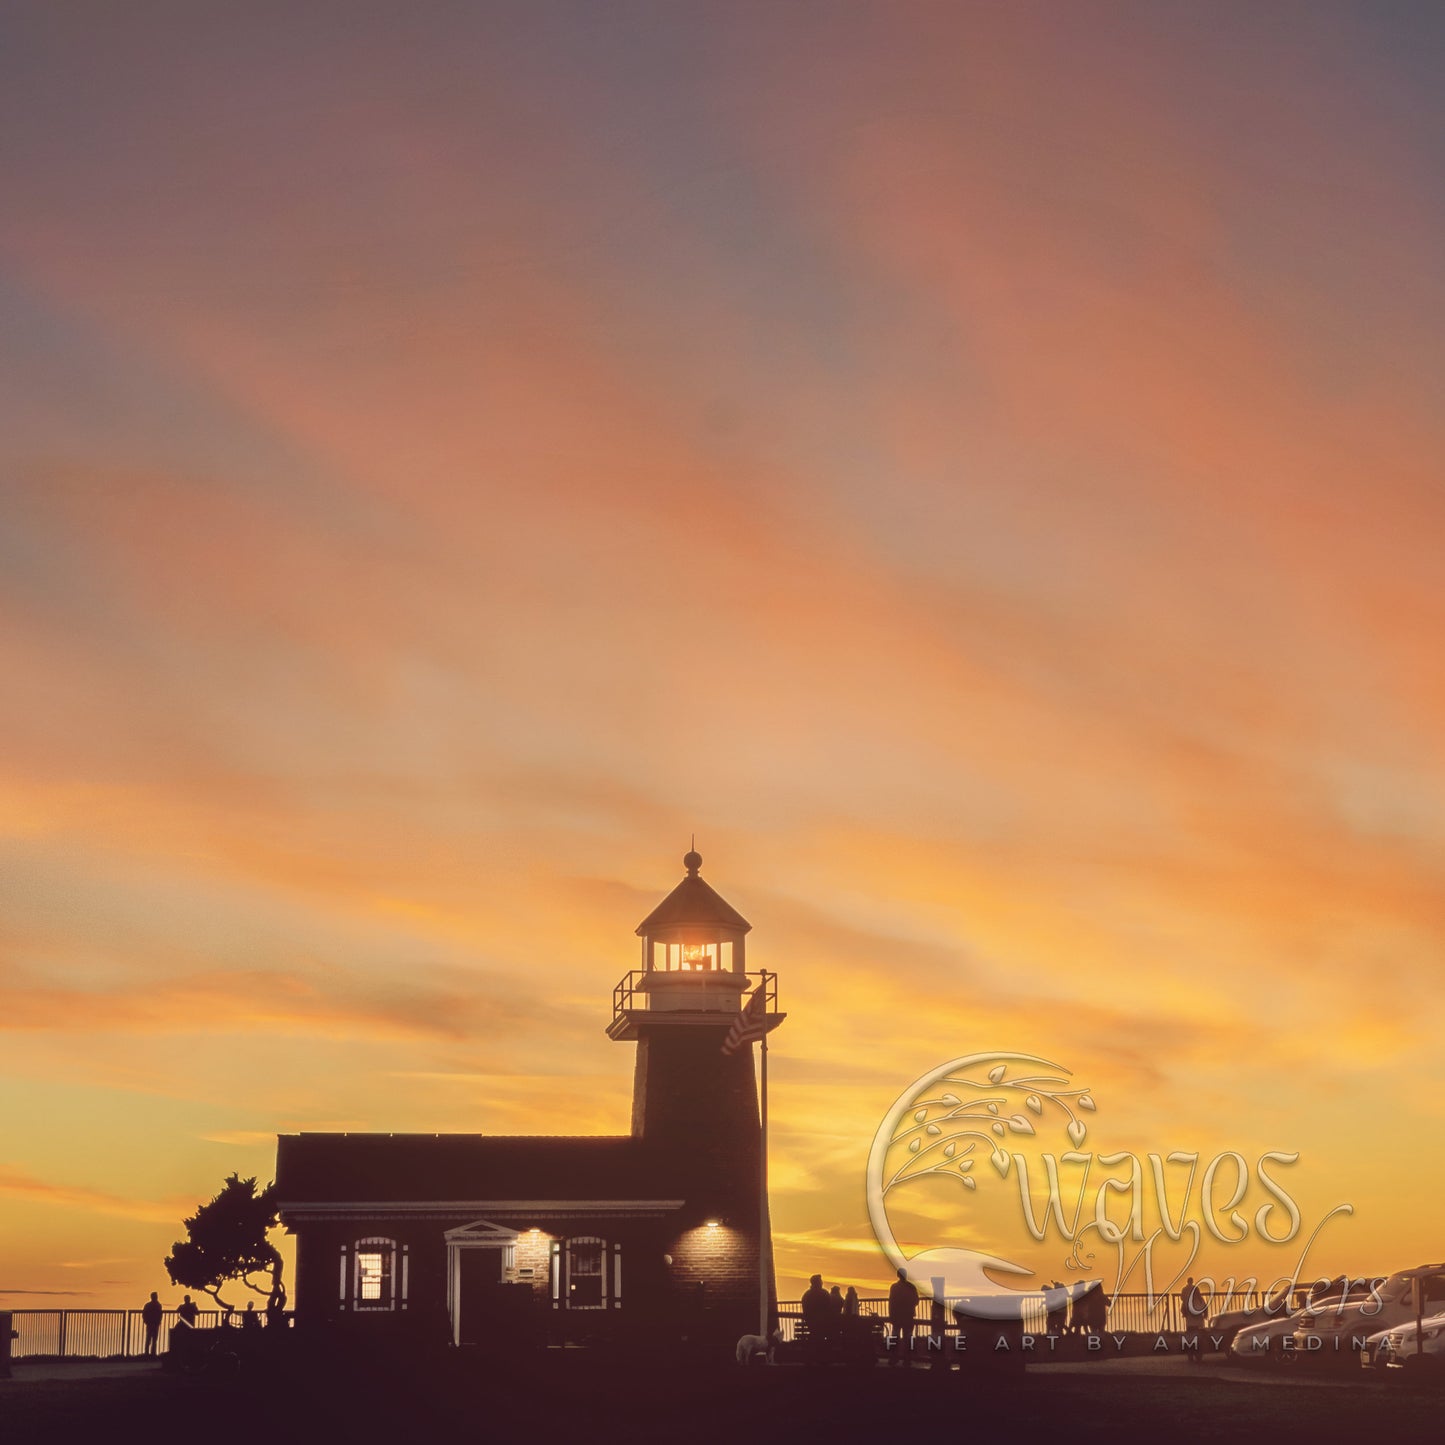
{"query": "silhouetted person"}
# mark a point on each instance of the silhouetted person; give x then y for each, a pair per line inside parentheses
(818, 1314)
(151, 1315)
(187, 1314)
(835, 1298)
(852, 1331)
(961, 1321)
(938, 1334)
(1090, 1311)
(250, 1320)
(902, 1312)
(1057, 1299)
(1194, 1311)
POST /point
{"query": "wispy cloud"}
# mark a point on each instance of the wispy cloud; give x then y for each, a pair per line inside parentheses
(25, 1186)
(4, 1290)
(229, 1003)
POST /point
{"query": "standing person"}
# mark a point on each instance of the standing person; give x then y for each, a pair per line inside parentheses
(184, 1340)
(817, 1313)
(1056, 1300)
(151, 1315)
(250, 1320)
(853, 1335)
(902, 1312)
(938, 1333)
(1194, 1311)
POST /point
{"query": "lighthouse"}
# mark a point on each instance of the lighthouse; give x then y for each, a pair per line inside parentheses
(571, 1238)
(695, 1100)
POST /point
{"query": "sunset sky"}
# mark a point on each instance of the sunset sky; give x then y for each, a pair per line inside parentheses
(979, 467)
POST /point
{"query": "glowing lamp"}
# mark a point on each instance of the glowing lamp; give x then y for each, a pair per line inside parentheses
(693, 947)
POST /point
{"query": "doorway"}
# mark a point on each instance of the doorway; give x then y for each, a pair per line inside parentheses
(481, 1303)
(479, 1310)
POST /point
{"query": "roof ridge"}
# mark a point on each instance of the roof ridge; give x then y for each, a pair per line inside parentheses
(453, 1134)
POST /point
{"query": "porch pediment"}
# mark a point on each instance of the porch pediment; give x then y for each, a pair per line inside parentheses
(481, 1231)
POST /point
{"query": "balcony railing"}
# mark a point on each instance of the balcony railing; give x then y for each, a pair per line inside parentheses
(625, 996)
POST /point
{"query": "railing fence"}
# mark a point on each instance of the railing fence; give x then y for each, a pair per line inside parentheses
(120, 1334)
(1127, 1313)
(95, 1334)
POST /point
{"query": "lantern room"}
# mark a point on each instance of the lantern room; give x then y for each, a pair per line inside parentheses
(694, 929)
(693, 948)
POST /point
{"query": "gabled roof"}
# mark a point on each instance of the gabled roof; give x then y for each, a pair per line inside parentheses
(384, 1168)
(693, 904)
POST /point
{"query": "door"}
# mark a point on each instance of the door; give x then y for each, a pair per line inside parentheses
(483, 1318)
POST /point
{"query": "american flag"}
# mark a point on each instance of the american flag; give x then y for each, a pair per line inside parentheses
(750, 1024)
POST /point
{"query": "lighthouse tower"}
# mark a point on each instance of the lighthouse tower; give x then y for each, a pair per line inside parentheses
(688, 1096)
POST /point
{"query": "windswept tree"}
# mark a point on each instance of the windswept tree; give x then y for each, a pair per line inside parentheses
(228, 1243)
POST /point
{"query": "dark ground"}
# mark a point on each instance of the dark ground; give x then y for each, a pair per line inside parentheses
(573, 1396)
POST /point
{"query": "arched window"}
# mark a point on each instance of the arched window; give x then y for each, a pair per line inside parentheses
(374, 1274)
(586, 1273)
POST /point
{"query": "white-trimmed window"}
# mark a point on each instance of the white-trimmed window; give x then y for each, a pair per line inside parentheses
(586, 1273)
(374, 1274)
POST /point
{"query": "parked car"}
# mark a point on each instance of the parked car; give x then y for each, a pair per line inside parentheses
(1278, 1306)
(1335, 1336)
(1406, 1350)
(1261, 1340)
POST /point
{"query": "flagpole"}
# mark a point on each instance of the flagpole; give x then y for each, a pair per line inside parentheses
(765, 1233)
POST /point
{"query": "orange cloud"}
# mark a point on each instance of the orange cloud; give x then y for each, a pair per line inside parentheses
(243, 1003)
(25, 1186)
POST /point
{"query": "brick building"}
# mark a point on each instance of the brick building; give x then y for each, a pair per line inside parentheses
(469, 1235)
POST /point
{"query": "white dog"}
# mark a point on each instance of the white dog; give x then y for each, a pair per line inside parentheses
(751, 1346)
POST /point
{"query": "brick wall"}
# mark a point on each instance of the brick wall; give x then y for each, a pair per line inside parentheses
(534, 1252)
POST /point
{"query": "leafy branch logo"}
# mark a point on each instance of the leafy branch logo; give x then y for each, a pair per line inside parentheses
(940, 1124)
